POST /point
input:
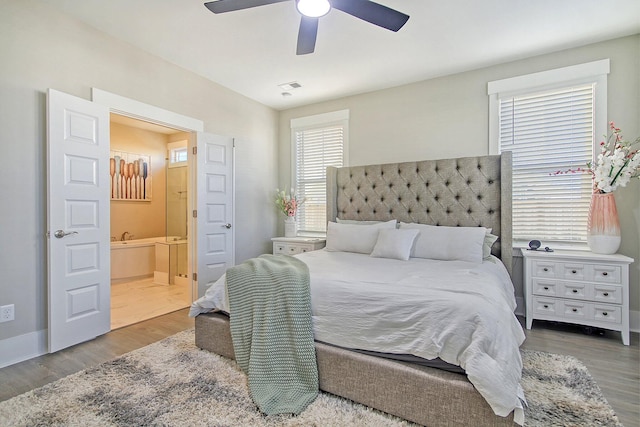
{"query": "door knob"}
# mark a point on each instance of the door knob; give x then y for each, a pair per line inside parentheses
(59, 234)
(227, 226)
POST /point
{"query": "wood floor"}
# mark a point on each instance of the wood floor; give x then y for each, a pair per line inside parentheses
(615, 367)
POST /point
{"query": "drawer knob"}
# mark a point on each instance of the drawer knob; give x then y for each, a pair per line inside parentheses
(574, 309)
(575, 291)
(604, 313)
(546, 288)
(573, 271)
(546, 306)
(545, 269)
(604, 273)
(606, 294)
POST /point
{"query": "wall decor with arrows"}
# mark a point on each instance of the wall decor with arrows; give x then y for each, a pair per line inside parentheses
(130, 176)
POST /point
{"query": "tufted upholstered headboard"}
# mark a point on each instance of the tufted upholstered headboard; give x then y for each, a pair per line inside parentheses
(468, 192)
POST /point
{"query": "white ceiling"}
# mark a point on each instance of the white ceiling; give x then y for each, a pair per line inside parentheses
(253, 51)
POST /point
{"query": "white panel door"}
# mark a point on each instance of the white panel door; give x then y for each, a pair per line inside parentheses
(214, 200)
(77, 220)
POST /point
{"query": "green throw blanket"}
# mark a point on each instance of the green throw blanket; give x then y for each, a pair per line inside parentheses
(270, 319)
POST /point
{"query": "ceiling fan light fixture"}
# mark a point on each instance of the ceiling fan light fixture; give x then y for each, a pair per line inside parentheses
(313, 8)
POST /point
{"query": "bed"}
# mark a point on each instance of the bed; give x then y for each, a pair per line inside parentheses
(462, 193)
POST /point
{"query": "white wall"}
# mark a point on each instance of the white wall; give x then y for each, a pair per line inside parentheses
(449, 116)
(41, 48)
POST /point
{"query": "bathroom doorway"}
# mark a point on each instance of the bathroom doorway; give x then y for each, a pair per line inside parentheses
(149, 220)
(78, 140)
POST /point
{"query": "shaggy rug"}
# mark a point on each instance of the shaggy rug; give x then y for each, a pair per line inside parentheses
(173, 383)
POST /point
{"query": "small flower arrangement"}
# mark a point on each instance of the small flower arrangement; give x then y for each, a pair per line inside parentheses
(617, 163)
(288, 203)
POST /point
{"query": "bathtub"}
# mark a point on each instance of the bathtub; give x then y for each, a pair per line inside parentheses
(134, 259)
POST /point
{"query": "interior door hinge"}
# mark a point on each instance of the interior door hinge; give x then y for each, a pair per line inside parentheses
(195, 213)
(195, 277)
(195, 150)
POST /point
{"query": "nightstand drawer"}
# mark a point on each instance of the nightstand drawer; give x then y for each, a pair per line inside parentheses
(544, 269)
(545, 287)
(573, 271)
(606, 273)
(606, 313)
(279, 249)
(575, 290)
(575, 310)
(545, 306)
(296, 245)
(607, 293)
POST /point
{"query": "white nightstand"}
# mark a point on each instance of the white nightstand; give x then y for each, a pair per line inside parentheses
(297, 245)
(578, 287)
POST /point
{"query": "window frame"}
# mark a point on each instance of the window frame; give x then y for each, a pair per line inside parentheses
(318, 121)
(595, 72)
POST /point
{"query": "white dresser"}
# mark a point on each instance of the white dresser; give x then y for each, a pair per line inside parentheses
(578, 287)
(296, 245)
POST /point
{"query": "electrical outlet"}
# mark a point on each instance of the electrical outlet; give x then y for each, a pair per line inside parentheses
(7, 313)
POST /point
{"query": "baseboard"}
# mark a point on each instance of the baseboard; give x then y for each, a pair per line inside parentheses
(520, 306)
(23, 347)
(634, 320)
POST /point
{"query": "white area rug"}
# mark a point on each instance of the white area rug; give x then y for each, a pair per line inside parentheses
(173, 383)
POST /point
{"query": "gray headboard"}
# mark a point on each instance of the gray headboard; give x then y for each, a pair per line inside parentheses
(468, 192)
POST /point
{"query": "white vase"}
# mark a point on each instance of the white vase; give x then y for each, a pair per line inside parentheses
(290, 227)
(603, 228)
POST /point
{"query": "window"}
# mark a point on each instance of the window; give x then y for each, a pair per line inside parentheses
(551, 122)
(318, 141)
(177, 153)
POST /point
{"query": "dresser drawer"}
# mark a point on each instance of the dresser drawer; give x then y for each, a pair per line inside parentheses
(297, 246)
(607, 313)
(574, 271)
(576, 311)
(575, 290)
(545, 269)
(546, 306)
(607, 293)
(545, 287)
(284, 249)
(606, 273)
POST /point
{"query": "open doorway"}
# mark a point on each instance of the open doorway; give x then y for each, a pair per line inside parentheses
(149, 174)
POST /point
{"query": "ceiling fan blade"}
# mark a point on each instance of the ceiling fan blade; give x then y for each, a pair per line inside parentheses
(307, 35)
(222, 6)
(372, 12)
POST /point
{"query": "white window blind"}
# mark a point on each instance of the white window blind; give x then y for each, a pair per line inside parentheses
(315, 149)
(547, 132)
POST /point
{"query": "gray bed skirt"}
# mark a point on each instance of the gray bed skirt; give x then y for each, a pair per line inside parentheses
(420, 394)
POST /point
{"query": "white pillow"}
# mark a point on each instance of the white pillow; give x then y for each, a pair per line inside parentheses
(489, 240)
(354, 238)
(356, 222)
(448, 243)
(394, 243)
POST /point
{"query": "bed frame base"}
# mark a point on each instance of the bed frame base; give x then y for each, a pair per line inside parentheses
(419, 394)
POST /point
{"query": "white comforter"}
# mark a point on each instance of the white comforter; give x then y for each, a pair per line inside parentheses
(458, 311)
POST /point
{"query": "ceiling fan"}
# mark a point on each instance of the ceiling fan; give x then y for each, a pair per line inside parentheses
(312, 10)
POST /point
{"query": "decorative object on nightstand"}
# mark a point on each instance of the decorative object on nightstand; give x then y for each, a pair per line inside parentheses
(578, 287)
(603, 226)
(297, 245)
(288, 204)
(617, 163)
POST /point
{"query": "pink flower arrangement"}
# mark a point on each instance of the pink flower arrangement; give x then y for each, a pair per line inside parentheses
(617, 163)
(288, 203)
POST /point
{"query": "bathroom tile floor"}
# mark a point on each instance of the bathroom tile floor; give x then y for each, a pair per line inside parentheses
(133, 302)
